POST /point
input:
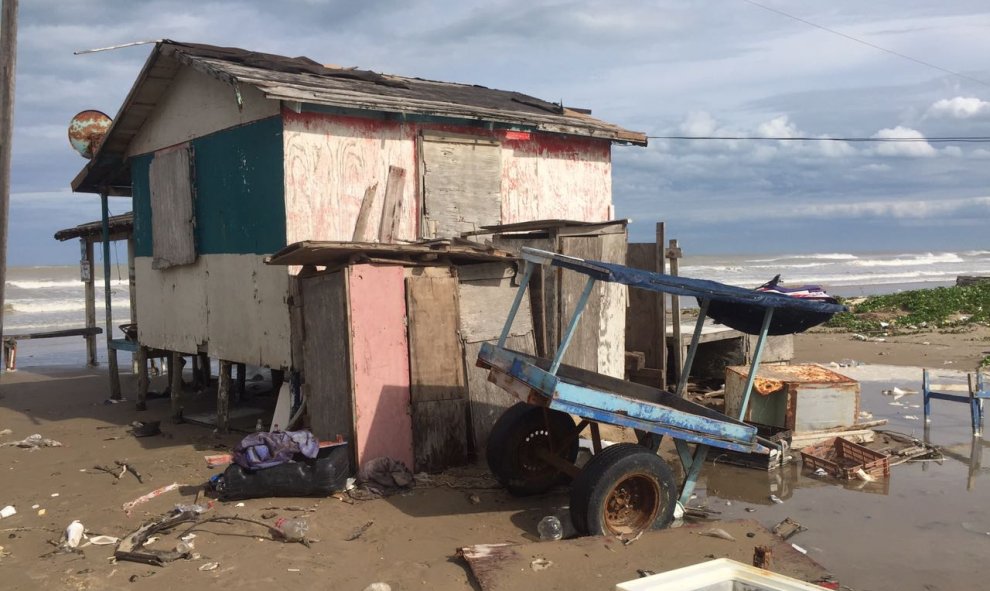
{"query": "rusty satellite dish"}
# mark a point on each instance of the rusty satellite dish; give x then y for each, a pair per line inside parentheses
(86, 132)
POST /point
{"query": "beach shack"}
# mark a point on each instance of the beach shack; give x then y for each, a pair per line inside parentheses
(229, 155)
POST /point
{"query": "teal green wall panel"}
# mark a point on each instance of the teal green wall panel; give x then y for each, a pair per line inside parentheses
(240, 191)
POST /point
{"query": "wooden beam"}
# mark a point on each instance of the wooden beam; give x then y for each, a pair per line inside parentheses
(241, 379)
(391, 209)
(364, 215)
(175, 380)
(90, 286)
(223, 398)
(674, 253)
(111, 352)
(661, 267)
(142, 371)
(132, 291)
(8, 63)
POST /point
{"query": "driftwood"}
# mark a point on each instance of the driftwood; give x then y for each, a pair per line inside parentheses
(131, 546)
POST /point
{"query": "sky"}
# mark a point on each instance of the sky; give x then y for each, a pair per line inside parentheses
(667, 68)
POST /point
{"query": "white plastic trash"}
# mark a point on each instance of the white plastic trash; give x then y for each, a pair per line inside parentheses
(7, 511)
(73, 534)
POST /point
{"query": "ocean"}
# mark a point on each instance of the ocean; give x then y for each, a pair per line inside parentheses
(51, 298)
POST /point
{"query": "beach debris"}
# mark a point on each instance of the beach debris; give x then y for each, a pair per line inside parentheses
(863, 337)
(912, 417)
(972, 528)
(540, 564)
(358, 532)
(73, 535)
(378, 587)
(7, 511)
(210, 566)
(6, 432)
(898, 393)
(799, 549)
(41, 512)
(102, 540)
(127, 467)
(820, 472)
(717, 532)
(109, 401)
(750, 510)
(865, 415)
(776, 499)
(626, 542)
(862, 475)
(32, 442)
(292, 529)
(128, 506)
(131, 547)
(788, 528)
(763, 557)
(146, 429)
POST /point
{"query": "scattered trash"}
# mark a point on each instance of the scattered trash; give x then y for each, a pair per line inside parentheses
(109, 401)
(378, 587)
(35, 506)
(841, 458)
(642, 572)
(898, 393)
(146, 429)
(717, 532)
(776, 499)
(7, 512)
(540, 564)
(292, 529)
(799, 549)
(240, 505)
(41, 512)
(103, 540)
(862, 475)
(550, 528)
(750, 510)
(820, 472)
(128, 506)
(912, 417)
(73, 535)
(294, 570)
(865, 415)
(382, 477)
(358, 532)
(788, 528)
(197, 509)
(763, 557)
(184, 547)
(474, 499)
(32, 442)
(6, 432)
(210, 566)
(678, 510)
(54, 495)
(633, 539)
(131, 547)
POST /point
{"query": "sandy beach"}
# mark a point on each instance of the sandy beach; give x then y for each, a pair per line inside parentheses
(919, 533)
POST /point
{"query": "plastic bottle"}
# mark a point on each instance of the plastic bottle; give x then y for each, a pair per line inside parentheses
(550, 528)
(293, 529)
(184, 547)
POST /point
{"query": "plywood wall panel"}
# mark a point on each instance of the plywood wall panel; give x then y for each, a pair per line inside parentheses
(485, 294)
(331, 161)
(172, 305)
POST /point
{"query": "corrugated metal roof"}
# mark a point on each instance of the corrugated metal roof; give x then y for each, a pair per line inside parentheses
(302, 80)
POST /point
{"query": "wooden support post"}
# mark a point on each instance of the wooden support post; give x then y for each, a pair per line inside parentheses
(89, 281)
(661, 267)
(223, 398)
(111, 352)
(241, 381)
(132, 294)
(8, 63)
(763, 557)
(205, 373)
(142, 372)
(278, 377)
(674, 253)
(175, 380)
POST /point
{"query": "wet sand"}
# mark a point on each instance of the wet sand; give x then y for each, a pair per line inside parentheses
(924, 530)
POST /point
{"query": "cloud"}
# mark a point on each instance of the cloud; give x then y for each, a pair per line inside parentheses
(959, 108)
(917, 148)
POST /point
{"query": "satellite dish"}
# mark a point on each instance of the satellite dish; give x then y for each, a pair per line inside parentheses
(86, 132)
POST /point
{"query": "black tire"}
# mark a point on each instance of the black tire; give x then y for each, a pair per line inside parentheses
(624, 489)
(512, 445)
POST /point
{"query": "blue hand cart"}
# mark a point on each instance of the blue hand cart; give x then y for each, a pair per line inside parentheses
(626, 487)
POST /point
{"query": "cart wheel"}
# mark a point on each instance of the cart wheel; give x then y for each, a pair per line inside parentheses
(518, 434)
(624, 489)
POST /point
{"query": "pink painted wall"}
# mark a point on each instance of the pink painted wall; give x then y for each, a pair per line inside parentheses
(380, 356)
(331, 160)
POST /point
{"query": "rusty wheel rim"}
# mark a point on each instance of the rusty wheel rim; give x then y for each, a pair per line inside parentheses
(632, 505)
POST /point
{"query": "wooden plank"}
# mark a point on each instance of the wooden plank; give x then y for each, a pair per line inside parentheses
(462, 186)
(437, 383)
(326, 362)
(380, 360)
(172, 221)
(488, 401)
(584, 346)
(485, 294)
(361, 226)
(223, 398)
(612, 318)
(389, 225)
(660, 265)
(508, 567)
(439, 434)
(641, 317)
(175, 382)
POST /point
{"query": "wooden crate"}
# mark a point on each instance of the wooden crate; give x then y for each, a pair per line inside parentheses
(842, 458)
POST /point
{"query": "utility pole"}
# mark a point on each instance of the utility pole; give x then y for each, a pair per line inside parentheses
(8, 63)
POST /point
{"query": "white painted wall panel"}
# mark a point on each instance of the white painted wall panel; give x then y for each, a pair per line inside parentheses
(330, 161)
(196, 105)
(234, 303)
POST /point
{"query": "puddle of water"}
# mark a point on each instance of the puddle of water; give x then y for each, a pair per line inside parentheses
(924, 528)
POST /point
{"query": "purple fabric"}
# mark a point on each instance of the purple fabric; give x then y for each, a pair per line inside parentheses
(264, 450)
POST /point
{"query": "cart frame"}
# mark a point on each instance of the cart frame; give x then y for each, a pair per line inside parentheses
(542, 383)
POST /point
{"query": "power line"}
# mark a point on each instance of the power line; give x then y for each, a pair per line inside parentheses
(867, 43)
(930, 140)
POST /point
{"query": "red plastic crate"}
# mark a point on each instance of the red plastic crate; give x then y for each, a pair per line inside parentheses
(842, 458)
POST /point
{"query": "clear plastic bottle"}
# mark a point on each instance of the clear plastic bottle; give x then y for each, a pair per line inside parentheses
(293, 529)
(550, 528)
